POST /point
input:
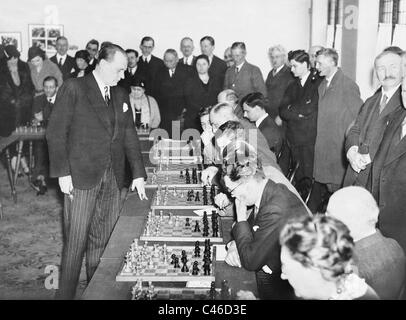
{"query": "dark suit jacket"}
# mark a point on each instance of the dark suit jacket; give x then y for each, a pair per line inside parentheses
(261, 247)
(150, 71)
(128, 79)
(248, 79)
(387, 180)
(218, 68)
(367, 131)
(298, 100)
(381, 262)
(41, 104)
(338, 106)
(66, 68)
(272, 133)
(276, 87)
(93, 65)
(170, 94)
(17, 100)
(81, 139)
(198, 95)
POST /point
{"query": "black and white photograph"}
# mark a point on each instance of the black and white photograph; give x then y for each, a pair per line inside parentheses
(214, 151)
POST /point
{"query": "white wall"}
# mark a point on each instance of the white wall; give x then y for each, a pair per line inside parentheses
(319, 22)
(259, 23)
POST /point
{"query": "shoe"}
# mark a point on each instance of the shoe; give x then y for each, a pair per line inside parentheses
(40, 186)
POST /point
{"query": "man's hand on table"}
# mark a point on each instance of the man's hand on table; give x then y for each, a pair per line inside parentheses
(139, 184)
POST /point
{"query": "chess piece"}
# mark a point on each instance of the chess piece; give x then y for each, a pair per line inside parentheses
(176, 263)
(195, 269)
(197, 198)
(185, 267)
(197, 251)
(197, 228)
(212, 292)
(225, 290)
(181, 174)
(187, 224)
(206, 268)
(173, 256)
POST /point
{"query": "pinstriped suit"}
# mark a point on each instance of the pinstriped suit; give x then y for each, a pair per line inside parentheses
(89, 142)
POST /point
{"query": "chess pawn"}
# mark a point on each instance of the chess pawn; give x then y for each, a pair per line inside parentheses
(187, 224)
(195, 268)
(197, 228)
(185, 267)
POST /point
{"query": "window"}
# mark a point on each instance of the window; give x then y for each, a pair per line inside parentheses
(392, 12)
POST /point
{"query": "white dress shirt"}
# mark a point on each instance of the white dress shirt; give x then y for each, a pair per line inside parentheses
(146, 57)
(389, 94)
(304, 79)
(101, 85)
(59, 57)
(52, 99)
(171, 72)
(277, 70)
(132, 70)
(259, 121)
(239, 67)
(188, 60)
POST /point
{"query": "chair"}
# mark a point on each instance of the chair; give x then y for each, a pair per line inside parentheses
(292, 172)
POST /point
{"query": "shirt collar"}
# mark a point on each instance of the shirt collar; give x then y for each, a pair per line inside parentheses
(390, 92)
(188, 59)
(132, 70)
(239, 66)
(52, 99)
(279, 69)
(101, 84)
(260, 191)
(331, 77)
(259, 121)
(146, 57)
(304, 79)
(58, 57)
(211, 58)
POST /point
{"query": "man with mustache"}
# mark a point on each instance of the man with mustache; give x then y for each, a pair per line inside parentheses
(366, 134)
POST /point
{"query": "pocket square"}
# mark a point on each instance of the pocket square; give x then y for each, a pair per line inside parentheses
(308, 101)
(255, 228)
(125, 107)
(266, 269)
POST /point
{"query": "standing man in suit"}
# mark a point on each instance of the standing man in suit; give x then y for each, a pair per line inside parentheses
(90, 133)
(92, 47)
(387, 180)
(278, 80)
(132, 72)
(299, 110)
(339, 104)
(65, 62)
(169, 91)
(149, 64)
(218, 67)
(256, 233)
(188, 59)
(243, 78)
(365, 135)
(254, 106)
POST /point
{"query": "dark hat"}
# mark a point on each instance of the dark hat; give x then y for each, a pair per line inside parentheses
(138, 82)
(35, 51)
(11, 52)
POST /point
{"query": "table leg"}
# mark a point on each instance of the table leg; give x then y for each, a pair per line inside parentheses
(10, 175)
(19, 153)
(31, 159)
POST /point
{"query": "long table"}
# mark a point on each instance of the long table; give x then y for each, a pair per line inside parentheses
(130, 226)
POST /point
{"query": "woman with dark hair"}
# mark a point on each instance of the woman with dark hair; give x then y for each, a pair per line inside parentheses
(41, 67)
(256, 233)
(316, 259)
(299, 110)
(16, 94)
(82, 59)
(200, 91)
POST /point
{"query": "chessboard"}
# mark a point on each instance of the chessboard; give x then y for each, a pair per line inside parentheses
(151, 292)
(184, 198)
(176, 168)
(182, 228)
(163, 263)
(180, 179)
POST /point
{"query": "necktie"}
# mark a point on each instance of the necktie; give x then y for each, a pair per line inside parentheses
(60, 61)
(383, 103)
(106, 95)
(274, 72)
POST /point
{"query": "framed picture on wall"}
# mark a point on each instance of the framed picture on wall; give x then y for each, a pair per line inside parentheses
(44, 36)
(13, 38)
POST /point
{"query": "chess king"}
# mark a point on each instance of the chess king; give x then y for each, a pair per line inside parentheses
(89, 133)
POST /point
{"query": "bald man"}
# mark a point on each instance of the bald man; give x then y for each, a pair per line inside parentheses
(379, 260)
